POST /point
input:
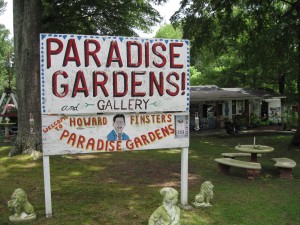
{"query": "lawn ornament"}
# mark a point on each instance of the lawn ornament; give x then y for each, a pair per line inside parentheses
(168, 213)
(197, 122)
(22, 209)
(205, 196)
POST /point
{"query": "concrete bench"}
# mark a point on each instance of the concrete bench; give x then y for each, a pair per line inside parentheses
(236, 154)
(285, 167)
(225, 164)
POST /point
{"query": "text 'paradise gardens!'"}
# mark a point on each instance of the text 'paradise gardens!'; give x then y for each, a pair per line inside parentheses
(115, 69)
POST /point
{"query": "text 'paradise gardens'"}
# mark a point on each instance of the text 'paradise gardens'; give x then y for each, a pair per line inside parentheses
(115, 69)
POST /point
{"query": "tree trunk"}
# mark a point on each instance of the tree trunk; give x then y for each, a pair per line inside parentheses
(295, 142)
(281, 83)
(27, 25)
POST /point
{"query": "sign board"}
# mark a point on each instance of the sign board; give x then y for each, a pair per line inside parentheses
(95, 134)
(107, 94)
(83, 74)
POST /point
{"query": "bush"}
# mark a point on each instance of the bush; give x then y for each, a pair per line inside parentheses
(290, 119)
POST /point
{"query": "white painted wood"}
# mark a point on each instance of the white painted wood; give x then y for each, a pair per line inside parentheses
(184, 176)
(134, 85)
(2, 98)
(89, 133)
(143, 83)
(14, 100)
(5, 106)
(47, 186)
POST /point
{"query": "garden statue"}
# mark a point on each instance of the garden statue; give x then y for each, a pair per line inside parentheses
(168, 213)
(206, 194)
(7, 119)
(22, 209)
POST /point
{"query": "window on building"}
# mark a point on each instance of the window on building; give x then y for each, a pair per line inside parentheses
(237, 107)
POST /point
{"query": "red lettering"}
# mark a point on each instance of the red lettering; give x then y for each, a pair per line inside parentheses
(65, 87)
(111, 147)
(79, 122)
(129, 144)
(158, 134)
(118, 148)
(51, 51)
(174, 55)
(171, 129)
(145, 140)
(90, 144)
(165, 131)
(147, 58)
(152, 136)
(169, 92)
(88, 52)
(71, 46)
(153, 82)
(80, 79)
(97, 83)
(100, 145)
(72, 139)
(161, 56)
(135, 83)
(81, 141)
(138, 54)
(138, 142)
(72, 122)
(169, 118)
(64, 134)
(117, 93)
(114, 48)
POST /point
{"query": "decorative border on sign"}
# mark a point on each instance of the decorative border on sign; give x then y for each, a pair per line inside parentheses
(42, 59)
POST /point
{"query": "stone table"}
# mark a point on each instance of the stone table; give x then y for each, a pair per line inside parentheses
(254, 150)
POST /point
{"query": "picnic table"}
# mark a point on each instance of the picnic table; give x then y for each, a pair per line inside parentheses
(254, 150)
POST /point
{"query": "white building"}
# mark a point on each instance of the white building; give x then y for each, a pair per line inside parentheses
(215, 105)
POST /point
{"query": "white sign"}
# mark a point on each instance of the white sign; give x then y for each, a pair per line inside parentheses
(99, 133)
(108, 94)
(83, 74)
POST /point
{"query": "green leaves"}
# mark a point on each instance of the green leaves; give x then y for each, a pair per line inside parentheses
(249, 42)
(6, 47)
(169, 32)
(118, 17)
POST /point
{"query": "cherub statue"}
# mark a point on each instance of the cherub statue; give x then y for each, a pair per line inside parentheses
(206, 194)
(23, 210)
(168, 213)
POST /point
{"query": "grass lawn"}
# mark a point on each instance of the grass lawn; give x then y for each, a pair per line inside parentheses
(123, 188)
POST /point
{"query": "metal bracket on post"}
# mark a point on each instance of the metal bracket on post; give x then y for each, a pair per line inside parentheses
(31, 124)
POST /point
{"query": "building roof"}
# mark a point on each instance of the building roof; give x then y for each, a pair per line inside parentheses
(264, 93)
(214, 93)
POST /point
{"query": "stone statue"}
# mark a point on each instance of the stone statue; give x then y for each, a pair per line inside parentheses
(168, 213)
(22, 209)
(205, 196)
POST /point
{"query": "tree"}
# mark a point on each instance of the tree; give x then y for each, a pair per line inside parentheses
(27, 26)
(6, 47)
(118, 17)
(2, 6)
(263, 38)
(168, 31)
(197, 77)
